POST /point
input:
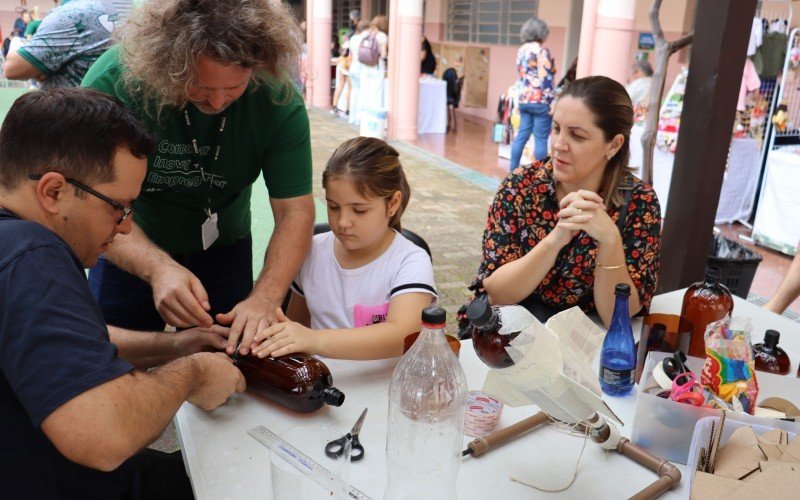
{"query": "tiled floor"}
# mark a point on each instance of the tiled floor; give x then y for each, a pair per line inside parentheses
(471, 146)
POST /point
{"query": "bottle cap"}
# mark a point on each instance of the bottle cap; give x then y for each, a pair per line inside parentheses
(622, 289)
(434, 315)
(771, 337)
(479, 312)
(333, 396)
(713, 273)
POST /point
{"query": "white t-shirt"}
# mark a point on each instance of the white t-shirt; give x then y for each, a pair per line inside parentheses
(639, 90)
(351, 298)
(355, 42)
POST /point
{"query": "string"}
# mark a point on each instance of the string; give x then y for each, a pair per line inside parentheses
(571, 430)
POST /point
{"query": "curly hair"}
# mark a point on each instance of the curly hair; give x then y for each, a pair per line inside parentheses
(161, 40)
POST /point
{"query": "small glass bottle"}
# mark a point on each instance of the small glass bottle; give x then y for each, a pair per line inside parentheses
(704, 302)
(769, 357)
(618, 355)
(490, 344)
(299, 382)
(427, 400)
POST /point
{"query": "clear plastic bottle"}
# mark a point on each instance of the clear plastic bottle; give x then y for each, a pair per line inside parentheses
(618, 356)
(703, 303)
(427, 398)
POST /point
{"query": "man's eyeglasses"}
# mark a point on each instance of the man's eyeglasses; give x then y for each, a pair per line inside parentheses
(124, 211)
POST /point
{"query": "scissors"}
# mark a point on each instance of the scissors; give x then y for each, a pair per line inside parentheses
(335, 448)
(686, 391)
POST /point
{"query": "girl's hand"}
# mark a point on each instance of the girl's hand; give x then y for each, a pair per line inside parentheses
(584, 211)
(285, 337)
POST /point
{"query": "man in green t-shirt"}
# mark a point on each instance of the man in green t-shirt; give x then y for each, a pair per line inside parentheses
(212, 81)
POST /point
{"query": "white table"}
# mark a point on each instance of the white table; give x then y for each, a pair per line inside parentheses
(432, 105)
(224, 462)
(432, 111)
(738, 185)
(777, 225)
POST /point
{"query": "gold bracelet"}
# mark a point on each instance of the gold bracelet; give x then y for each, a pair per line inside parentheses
(609, 267)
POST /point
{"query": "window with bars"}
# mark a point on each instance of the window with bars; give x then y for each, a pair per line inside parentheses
(494, 22)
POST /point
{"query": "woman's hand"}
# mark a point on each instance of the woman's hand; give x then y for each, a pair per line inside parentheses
(286, 337)
(584, 210)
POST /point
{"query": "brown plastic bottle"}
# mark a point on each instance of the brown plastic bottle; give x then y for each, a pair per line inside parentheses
(299, 382)
(703, 303)
(769, 357)
(490, 344)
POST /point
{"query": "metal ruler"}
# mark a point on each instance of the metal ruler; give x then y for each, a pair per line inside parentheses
(300, 461)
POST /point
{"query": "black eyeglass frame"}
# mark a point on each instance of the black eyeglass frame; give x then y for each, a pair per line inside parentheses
(125, 211)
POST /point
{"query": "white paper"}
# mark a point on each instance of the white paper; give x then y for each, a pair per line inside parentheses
(210, 231)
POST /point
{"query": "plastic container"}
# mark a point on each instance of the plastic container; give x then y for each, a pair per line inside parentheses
(664, 427)
(737, 264)
(702, 433)
(373, 123)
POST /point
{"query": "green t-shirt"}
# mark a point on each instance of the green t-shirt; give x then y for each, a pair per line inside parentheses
(32, 27)
(263, 133)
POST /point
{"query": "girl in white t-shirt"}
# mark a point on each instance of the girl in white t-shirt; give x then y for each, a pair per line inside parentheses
(362, 287)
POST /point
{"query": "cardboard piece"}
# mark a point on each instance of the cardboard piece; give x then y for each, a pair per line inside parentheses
(748, 466)
(708, 486)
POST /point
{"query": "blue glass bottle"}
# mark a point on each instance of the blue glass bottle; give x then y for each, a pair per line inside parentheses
(618, 357)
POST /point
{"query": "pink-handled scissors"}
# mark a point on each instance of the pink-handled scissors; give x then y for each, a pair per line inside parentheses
(688, 391)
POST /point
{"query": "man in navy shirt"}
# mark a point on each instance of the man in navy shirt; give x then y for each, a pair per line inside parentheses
(76, 404)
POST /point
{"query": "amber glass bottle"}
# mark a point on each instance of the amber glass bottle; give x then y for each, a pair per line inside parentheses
(703, 303)
(299, 382)
(769, 357)
(490, 344)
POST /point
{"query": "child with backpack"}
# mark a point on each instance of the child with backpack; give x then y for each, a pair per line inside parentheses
(363, 285)
(371, 54)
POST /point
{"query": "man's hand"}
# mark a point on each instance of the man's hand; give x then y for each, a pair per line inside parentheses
(219, 378)
(200, 339)
(286, 337)
(247, 318)
(180, 297)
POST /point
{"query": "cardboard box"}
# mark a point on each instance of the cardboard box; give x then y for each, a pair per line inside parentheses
(665, 428)
(719, 486)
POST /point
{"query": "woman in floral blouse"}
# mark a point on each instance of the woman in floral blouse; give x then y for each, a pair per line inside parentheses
(565, 231)
(535, 89)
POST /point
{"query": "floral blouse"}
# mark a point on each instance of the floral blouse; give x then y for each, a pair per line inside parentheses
(536, 69)
(523, 213)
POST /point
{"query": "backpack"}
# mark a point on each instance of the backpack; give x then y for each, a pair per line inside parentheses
(369, 52)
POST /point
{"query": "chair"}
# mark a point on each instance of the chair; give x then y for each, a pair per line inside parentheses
(454, 86)
(324, 227)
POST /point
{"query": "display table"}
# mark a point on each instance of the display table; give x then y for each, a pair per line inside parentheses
(777, 225)
(738, 186)
(432, 110)
(224, 462)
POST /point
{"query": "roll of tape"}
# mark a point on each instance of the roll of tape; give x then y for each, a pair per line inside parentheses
(482, 414)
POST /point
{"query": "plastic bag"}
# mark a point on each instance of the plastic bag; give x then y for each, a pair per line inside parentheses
(729, 371)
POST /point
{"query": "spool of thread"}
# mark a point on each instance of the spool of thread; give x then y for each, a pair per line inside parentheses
(482, 414)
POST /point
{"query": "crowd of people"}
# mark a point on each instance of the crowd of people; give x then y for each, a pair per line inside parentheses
(143, 174)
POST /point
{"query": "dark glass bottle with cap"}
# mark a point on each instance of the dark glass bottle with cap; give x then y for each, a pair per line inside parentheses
(618, 356)
(490, 345)
(704, 302)
(769, 357)
(300, 382)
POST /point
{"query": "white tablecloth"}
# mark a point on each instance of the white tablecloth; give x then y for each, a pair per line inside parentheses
(432, 114)
(224, 462)
(777, 223)
(738, 186)
(432, 110)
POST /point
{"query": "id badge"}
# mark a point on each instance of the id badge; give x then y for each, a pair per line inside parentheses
(210, 231)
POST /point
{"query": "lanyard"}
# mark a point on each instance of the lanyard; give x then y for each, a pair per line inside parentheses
(198, 163)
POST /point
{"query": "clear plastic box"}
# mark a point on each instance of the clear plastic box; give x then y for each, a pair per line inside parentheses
(664, 427)
(702, 433)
